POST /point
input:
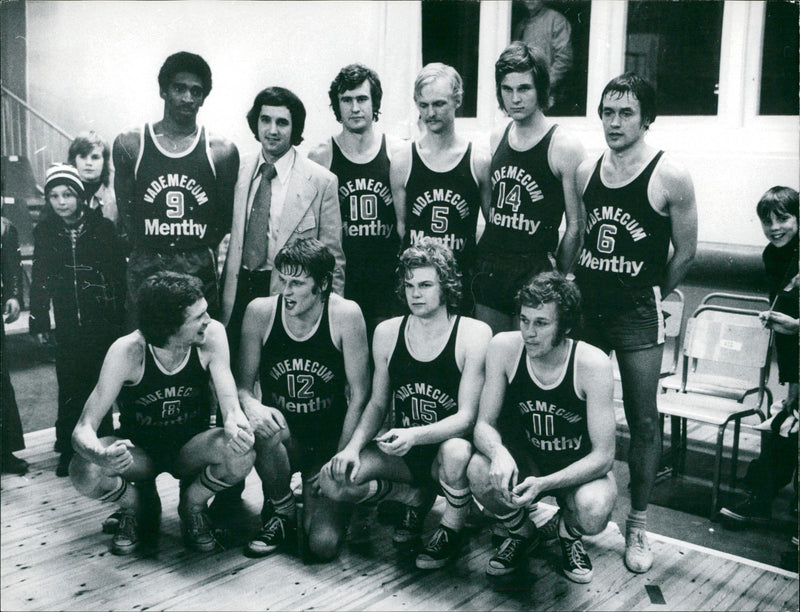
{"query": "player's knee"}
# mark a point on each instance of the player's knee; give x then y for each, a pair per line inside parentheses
(478, 476)
(335, 490)
(454, 457)
(593, 509)
(86, 477)
(324, 542)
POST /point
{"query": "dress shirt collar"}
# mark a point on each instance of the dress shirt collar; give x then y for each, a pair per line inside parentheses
(282, 167)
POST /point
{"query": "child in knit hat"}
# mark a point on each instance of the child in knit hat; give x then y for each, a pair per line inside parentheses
(79, 266)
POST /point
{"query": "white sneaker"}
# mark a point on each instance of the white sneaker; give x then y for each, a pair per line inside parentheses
(638, 556)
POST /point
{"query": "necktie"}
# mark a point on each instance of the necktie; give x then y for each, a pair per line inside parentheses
(257, 235)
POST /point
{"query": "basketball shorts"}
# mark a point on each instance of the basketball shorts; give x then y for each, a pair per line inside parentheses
(635, 327)
(499, 276)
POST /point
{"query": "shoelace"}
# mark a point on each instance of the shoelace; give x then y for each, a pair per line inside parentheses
(577, 553)
(438, 541)
(508, 549)
(127, 526)
(272, 526)
(638, 537)
(410, 520)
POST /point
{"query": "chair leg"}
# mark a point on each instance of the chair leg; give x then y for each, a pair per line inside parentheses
(717, 472)
(675, 444)
(737, 426)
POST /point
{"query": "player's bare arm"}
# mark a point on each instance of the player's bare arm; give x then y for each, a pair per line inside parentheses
(258, 318)
(567, 153)
(595, 380)
(398, 175)
(322, 154)
(215, 350)
(123, 363)
(672, 192)
(226, 162)
(503, 469)
(330, 231)
(347, 319)
(481, 161)
(346, 463)
(124, 153)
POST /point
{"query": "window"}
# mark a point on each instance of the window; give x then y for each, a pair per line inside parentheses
(450, 35)
(676, 46)
(560, 28)
(779, 64)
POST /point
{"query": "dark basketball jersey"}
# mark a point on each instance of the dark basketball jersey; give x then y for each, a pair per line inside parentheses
(627, 242)
(527, 200)
(166, 408)
(368, 217)
(424, 392)
(443, 205)
(305, 380)
(552, 419)
(175, 202)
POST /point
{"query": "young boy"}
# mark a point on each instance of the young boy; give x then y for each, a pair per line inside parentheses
(79, 265)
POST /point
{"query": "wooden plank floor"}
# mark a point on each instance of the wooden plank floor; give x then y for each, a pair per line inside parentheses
(54, 557)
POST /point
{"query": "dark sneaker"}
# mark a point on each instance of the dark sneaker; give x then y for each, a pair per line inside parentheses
(750, 512)
(196, 529)
(126, 540)
(410, 527)
(14, 465)
(62, 469)
(358, 532)
(548, 533)
(443, 546)
(499, 534)
(275, 532)
(576, 563)
(512, 554)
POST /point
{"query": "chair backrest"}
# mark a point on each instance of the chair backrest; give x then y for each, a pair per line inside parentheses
(673, 306)
(736, 300)
(732, 339)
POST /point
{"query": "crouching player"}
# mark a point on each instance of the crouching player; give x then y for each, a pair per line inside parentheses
(551, 397)
(430, 363)
(160, 377)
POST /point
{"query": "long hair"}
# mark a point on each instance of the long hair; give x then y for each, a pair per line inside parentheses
(519, 57)
(279, 96)
(427, 252)
(84, 143)
(308, 255)
(553, 287)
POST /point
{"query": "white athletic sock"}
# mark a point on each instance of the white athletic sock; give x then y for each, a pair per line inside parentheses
(457, 508)
(203, 488)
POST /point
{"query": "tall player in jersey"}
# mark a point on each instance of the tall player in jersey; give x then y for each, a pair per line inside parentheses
(551, 397)
(637, 200)
(174, 184)
(159, 376)
(430, 365)
(440, 181)
(533, 189)
(359, 157)
(302, 347)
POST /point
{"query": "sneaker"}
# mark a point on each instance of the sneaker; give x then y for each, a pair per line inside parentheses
(638, 556)
(126, 540)
(14, 465)
(548, 533)
(752, 511)
(410, 527)
(275, 532)
(576, 563)
(62, 469)
(512, 554)
(444, 545)
(196, 529)
(358, 532)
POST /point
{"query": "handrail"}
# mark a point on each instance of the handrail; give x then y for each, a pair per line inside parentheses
(34, 112)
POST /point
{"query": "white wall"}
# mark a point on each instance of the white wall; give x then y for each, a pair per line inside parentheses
(94, 64)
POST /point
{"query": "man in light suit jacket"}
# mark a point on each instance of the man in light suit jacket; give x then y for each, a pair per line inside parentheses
(301, 202)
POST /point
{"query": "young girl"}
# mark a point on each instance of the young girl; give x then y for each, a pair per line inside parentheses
(91, 155)
(766, 475)
(79, 264)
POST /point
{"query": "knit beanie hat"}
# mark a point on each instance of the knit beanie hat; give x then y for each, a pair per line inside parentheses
(64, 174)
